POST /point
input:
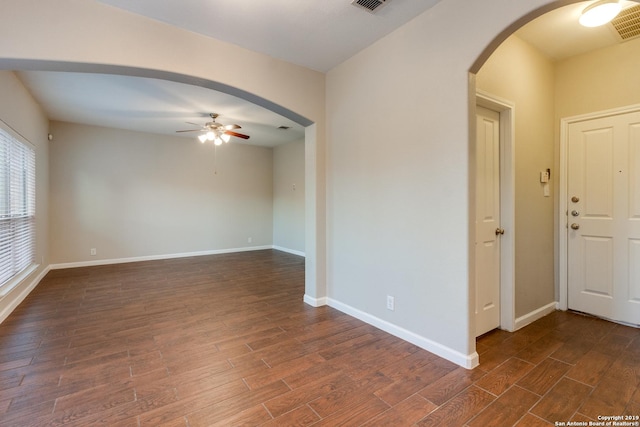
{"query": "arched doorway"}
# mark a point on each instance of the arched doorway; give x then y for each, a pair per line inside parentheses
(291, 91)
(155, 74)
(538, 263)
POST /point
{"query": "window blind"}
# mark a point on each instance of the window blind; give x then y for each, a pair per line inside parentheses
(17, 206)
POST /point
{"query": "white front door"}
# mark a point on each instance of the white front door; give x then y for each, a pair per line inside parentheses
(603, 185)
(487, 244)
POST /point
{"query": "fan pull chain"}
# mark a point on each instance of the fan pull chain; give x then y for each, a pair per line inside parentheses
(215, 158)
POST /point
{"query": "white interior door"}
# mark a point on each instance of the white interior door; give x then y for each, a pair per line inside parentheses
(487, 244)
(603, 188)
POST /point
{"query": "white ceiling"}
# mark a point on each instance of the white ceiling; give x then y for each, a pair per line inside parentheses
(314, 34)
(559, 35)
(152, 105)
(317, 35)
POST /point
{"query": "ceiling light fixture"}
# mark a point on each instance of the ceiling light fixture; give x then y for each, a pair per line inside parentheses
(218, 136)
(599, 13)
(216, 132)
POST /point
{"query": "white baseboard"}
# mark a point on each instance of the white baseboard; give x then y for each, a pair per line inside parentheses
(154, 257)
(315, 302)
(15, 301)
(531, 317)
(468, 361)
(291, 251)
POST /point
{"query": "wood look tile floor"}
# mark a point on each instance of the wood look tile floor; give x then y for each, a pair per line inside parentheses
(226, 340)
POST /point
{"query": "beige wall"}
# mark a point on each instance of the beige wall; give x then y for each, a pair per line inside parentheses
(398, 189)
(131, 194)
(519, 73)
(600, 80)
(20, 113)
(288, 197)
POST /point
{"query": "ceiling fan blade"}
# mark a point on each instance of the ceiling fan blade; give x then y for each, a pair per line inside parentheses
(190, 130)
(239, 135)
(229, 127)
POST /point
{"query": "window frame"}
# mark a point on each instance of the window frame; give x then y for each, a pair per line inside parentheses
(18, 179)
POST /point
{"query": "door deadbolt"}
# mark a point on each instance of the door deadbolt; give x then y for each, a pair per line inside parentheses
(575, 213)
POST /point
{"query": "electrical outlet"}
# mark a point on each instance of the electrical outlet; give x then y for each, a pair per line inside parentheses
(391, 303)
(93, 251)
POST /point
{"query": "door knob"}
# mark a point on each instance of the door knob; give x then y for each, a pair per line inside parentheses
(499, 231)
(575, 226)
(575, 199)
(575, 213)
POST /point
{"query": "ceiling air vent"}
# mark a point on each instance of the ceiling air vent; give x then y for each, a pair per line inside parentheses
(627, 23)
(370, 5)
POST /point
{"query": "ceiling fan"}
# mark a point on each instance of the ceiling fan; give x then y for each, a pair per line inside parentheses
(216, 132)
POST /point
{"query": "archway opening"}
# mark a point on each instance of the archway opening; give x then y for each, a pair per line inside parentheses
(309, 159)
(545, 86)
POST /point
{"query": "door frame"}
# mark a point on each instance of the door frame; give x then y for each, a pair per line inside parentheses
(563, 208)
(506, 109)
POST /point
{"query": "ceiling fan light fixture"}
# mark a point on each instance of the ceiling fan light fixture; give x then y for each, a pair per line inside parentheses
(599, 13)
(216, 132)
